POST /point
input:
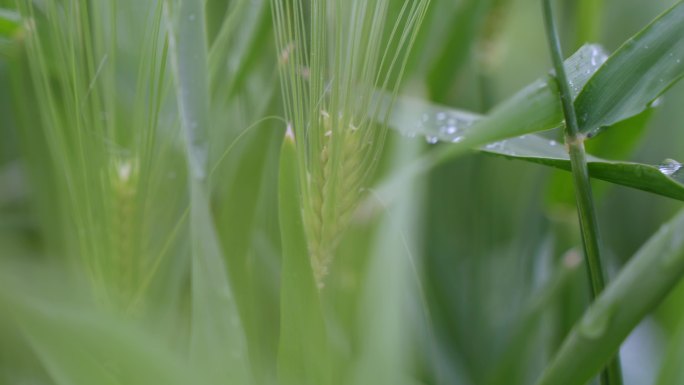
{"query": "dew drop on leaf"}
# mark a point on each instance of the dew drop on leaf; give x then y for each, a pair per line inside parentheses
(670, 167)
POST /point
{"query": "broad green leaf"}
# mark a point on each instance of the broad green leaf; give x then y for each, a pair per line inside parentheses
(303, 353)
(635, 75)
(641, 285)
(665, 179)
(535, 108)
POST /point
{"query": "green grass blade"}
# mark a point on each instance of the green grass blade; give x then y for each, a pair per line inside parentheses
(642, 284)
(535, 108)
(465, 26)
(388, 293)
(664, 179)
(189, 60)
(635, 75)
(303, 352)
(519, 350)
(218, 343)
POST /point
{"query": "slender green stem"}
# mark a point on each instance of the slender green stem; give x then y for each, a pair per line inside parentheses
(585, 202)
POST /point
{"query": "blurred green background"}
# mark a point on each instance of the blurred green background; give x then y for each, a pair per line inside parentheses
(491, 233)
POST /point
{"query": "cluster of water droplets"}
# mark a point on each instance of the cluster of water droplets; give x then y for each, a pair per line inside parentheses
(527, 146)
(583, 65)
(442, 126)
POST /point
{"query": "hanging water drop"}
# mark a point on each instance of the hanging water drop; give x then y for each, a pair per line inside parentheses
(595, 323)
(497, 146)
(669, 167)
(431, 139)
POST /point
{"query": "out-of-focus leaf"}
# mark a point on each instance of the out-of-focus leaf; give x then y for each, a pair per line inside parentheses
(10, 23)
(641, 285)
(672, 370)
(517, 352)
(465, 24)
(303, 355)
(218, 343)
(666, 179)
(635, 75)
(620, 141)
(388, 289)
(80, 345)
(218, 339)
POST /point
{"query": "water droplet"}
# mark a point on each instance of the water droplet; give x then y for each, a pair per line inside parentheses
(456, 139)
(598, 56)
(124, 171)
(431, 139)
(553, 143)
(656, 103)
(448, 130)
(409, 134)
(596, 322)
(669, 167)
(497, 146)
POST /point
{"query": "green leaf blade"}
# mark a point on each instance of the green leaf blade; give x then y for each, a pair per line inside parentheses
(655, 270)
(656, 179)
(302, 356)
(635, 75)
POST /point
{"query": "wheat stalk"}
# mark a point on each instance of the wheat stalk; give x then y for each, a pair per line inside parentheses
(335, 55)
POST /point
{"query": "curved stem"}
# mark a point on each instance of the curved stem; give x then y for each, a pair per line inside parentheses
(585, 202)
